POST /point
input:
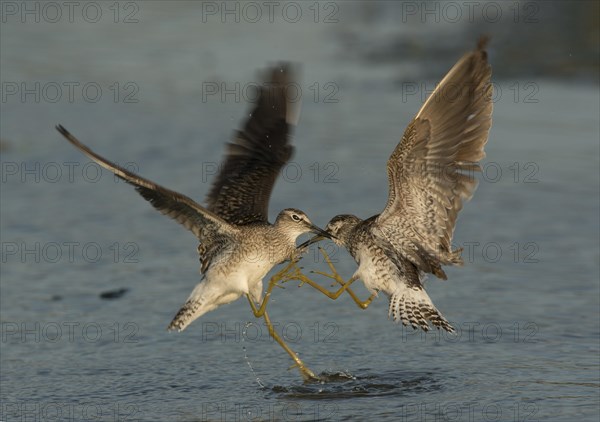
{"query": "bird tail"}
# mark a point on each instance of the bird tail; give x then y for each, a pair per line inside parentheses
(413, 307)
(188, 313)
(195, 306)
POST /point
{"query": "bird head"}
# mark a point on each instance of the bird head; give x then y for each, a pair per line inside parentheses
(294, 223)
(338, 229)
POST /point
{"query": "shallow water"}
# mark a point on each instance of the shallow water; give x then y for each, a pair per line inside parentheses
(525, 305)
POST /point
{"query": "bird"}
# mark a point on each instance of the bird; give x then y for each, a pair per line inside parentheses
(430, 176)
(237, 244)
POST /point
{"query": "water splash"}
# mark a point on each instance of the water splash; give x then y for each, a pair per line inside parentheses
(260, 383)
(345, 385)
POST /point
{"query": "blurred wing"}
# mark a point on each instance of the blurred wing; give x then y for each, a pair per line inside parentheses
(431, 171)
(241, 191)
(207, 227)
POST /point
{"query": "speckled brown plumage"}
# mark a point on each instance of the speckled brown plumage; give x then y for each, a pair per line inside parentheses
(430, 175)
(241, 191)
(238, 246)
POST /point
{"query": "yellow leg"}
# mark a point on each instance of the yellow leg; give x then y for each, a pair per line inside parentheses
(361, 304)
(298, 275)
(306, 373)
(281, 275)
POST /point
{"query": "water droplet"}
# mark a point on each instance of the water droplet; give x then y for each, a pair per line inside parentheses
(252, 369)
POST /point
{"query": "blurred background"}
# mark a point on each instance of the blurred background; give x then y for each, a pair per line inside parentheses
(91, 275)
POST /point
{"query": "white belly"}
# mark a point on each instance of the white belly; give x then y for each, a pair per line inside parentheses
(244, 278)
(377, 276)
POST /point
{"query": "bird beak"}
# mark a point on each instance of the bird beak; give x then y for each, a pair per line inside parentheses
(321, 235)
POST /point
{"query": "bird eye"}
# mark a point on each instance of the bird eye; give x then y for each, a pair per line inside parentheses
(295, 217)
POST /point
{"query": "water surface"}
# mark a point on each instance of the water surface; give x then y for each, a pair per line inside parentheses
(525, 305)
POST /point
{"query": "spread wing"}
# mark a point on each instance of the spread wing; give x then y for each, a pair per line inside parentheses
(210, 229)
(431, 171)
(241, 191)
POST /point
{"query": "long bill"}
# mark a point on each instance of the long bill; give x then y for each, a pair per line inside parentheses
(321, 236)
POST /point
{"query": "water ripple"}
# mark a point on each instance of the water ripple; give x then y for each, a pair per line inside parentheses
(340, 385)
